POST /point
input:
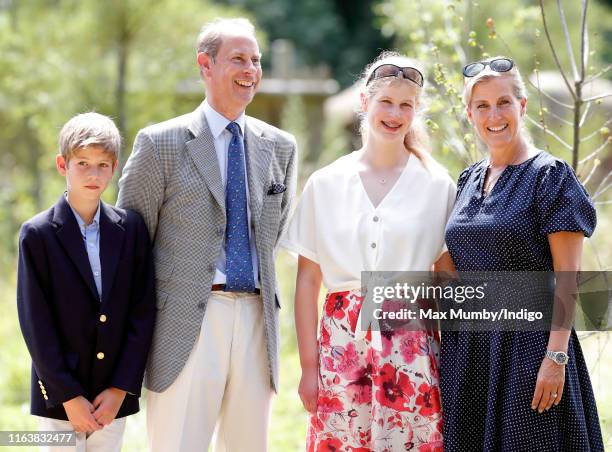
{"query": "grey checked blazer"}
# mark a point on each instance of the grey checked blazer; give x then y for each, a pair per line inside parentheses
(173, 180)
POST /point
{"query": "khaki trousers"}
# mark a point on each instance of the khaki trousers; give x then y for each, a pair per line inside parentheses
(223, 390)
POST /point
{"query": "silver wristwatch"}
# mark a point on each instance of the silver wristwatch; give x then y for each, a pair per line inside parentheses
(560, 358)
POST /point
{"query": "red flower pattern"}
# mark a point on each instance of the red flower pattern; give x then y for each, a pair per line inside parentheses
(428, 399)
(368, 399)
(413, 344)
(359, 391)
(434, 444)
(330, 445)
(345, 362)
(353, 315)
(395, 388)
(335, 306)
(329, 404)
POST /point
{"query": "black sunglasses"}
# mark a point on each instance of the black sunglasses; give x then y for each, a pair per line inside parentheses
(497, 65)
(391, 70)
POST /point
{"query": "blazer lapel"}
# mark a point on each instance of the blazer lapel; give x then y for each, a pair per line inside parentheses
(71, 239)
(111, 244)
(202, 151)
(258, 157)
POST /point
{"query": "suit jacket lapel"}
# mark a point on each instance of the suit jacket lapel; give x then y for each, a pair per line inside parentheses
(202, 150)
(71, 239)
(258, 157)
(111, 244)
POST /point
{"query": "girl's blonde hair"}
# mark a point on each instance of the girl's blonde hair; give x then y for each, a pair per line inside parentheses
(416, 139)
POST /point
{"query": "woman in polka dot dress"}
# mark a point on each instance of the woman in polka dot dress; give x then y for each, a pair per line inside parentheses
(383, 207)
(521, 209)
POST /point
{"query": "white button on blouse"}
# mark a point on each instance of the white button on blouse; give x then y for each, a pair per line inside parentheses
(336, 225)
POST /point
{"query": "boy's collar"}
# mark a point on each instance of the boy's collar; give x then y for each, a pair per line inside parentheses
(108, 212)
(94, 222)
(63, 213)
(111, 228)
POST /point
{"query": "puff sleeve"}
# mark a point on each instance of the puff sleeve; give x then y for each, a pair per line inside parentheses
(301, 236)
(562, 202)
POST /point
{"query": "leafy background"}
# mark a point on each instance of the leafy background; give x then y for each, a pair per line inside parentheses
(128, 58)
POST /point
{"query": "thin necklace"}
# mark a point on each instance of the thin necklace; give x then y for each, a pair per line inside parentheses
(491, 182)
(488, 187)
(383, 180)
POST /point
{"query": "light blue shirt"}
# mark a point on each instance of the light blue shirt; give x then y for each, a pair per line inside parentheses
(91, 237)
(221, 136)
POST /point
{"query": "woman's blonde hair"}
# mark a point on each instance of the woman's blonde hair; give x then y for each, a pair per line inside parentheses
(417, 139)
(518, 86)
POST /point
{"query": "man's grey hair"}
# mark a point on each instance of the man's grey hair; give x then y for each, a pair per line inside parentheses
(211, 34)
(89, 129)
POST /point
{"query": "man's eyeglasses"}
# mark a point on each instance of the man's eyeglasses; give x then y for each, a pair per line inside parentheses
(391, 70)
(497, 65)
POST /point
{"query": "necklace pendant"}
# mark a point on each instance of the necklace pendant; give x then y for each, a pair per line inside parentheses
(383, 181)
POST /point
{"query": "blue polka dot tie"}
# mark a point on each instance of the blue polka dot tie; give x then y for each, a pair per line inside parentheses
(238, 266)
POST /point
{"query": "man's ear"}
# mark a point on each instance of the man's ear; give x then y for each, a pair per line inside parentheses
(115, 165)
(61, 164)
(205, 63)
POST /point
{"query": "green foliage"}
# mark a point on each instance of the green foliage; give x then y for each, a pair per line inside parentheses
(334, 140)
(335, 143)
(294, 120)
(447, 34)
(62, 57)
(338, 33)
(14, 358)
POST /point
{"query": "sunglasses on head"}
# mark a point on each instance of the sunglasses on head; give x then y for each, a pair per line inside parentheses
(391, 70)
(497, 65)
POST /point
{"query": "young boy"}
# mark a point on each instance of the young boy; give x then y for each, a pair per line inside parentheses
(85, 295)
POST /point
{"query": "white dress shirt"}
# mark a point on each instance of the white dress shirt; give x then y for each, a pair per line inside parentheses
(217, 124)
(336, 225)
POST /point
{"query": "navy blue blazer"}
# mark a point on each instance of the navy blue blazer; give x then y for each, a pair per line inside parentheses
(81, 344)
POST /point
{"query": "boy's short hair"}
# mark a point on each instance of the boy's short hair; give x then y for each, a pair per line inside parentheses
(89, 129)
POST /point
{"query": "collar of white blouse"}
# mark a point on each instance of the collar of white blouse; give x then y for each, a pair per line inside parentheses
(390, 189)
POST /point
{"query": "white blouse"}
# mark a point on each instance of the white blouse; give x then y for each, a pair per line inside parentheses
(336, 225)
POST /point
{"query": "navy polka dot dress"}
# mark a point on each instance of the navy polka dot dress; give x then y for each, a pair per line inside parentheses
(488, 378)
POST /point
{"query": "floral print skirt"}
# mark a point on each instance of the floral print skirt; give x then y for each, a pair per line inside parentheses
(369, 399)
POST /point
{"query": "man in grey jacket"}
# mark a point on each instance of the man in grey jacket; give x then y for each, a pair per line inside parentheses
(215, 188)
